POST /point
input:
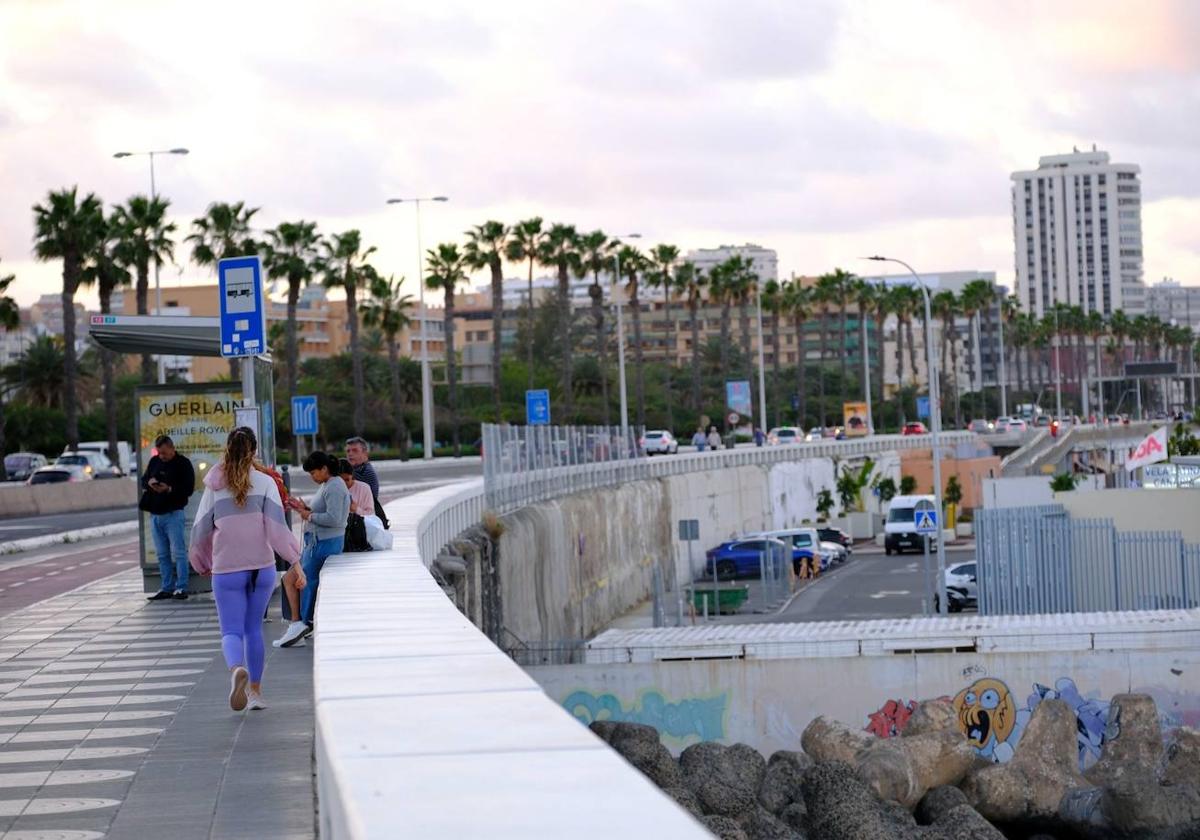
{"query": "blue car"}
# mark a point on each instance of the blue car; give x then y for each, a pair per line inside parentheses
(742, 558)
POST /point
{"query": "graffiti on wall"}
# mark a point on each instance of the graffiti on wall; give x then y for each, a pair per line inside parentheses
(690, 719)
(889, 720)
(990, 718)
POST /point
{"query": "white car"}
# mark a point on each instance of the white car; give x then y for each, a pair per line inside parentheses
(815, 433)
(659, 442)
(783, 435)
(962, 588)
(1016, 424)
(95, 464)
(802, 540)
(1002, 424)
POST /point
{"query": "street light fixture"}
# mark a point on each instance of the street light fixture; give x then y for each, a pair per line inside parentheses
(179, 150)
(935, 426)
(427, 431)
(621, 334)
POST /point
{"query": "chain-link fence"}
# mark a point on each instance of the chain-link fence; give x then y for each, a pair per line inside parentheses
(1039, 560)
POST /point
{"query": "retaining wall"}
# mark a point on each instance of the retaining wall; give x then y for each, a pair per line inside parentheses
(40, 499)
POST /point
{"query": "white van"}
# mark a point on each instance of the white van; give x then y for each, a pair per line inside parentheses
(124, 452)
(900, 531)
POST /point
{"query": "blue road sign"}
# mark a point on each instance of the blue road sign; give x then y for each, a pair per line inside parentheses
(304, 415)
(243, 310)
(926, 522)
(922, 408)
(537, 408)
(795, 402)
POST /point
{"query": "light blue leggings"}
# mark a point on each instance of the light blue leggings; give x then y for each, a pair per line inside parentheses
(241, 604)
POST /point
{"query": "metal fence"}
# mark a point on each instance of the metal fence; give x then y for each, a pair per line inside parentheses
(523, 465)
(1039, 560)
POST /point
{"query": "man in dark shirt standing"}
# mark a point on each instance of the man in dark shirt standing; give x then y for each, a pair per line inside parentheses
(167, 484)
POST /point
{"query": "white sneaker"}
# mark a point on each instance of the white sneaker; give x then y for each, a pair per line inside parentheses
(237, 688)
(292, 634)
(254, 701)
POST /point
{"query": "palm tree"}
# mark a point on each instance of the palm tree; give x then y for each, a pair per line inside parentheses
(67, 229)
(881, 307)
(902, 300)
(691, 281)
(976, 299)
(595, 256)
(10, 318)
(144, 237)
(343, 264)
(843, 291)
(525, 241)
(292, 251)
(223, 231)
(106, 270)
(485, 248)
(721, 290)
(742, 282)
(798, 301)
(772, 298)
(560, 250)
(633, 264)
(826, 292)
(945, 307)
(446, 270)
(866, 298)
(662, 276)
(387, 311)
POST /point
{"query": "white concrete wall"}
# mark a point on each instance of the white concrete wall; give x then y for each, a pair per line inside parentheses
(425, 729)
(1140, 509)
(768, 702)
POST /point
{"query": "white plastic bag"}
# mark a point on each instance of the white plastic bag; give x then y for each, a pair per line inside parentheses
(379, 538)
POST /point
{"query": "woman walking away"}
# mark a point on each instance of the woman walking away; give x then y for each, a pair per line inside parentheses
(239, 529)
(324, 536)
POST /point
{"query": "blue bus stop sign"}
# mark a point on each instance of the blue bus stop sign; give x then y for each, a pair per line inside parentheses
(243, 310)
(304, 415)
(923, 408)
(537, 408)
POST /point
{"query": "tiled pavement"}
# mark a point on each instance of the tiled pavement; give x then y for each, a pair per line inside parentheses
(114, 722)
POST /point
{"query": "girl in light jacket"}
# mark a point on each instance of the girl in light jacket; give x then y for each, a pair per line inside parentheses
(239, 529)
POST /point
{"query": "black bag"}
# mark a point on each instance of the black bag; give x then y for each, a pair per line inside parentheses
(382, 516)
(356, 534)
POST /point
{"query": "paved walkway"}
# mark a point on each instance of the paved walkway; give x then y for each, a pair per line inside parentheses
(114, 722)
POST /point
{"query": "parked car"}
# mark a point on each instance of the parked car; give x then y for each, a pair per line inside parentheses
(900, 530)
(802, 541)
(659, 442)
(95, 464)
(18, 466)
(836, 535)
(59, 474)
(915, 427)
(739, 558)
(962, 588)
(815, 433)
(124, 452)
(781, 435)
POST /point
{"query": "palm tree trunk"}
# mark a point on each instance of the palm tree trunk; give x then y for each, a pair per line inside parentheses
(880, 356)
(900, 368)
(824, 418)
(400, 432)
(842, 341)
(958, 418)
(694, 325)
(106, 377)
(775, 366)
(744, 327)
(497, 321)
(564, 335)
(912, 347)
(149, 375)
(293, 298)
(638, 373)
(724, 352)
(72, 270)
(529, 326)
(801, 379)
(597, 295)
(672, 361)
(356, 362)
(451, 367)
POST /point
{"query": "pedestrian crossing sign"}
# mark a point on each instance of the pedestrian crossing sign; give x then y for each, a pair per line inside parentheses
(926, 521)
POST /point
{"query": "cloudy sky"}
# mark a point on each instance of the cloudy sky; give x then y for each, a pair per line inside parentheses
(826, 130)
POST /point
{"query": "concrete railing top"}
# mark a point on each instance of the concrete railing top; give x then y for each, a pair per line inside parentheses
(426, 729)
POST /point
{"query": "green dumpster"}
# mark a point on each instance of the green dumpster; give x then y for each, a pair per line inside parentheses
(725, 599)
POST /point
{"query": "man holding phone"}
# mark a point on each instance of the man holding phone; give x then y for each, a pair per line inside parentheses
(167, 484)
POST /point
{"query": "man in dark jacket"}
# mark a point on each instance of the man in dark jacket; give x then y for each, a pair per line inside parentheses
(167, 484)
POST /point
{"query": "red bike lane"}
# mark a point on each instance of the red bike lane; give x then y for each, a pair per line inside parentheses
(64, 568)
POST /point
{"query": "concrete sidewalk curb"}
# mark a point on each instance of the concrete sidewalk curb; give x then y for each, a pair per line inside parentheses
(79, 535)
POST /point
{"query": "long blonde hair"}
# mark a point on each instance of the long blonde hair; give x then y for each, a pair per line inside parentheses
(239, 461)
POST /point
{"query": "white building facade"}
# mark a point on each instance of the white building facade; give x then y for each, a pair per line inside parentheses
(1172, 302)
(1077, 229)
(764, 260)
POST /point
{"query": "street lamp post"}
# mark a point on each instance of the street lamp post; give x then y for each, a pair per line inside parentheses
(762, 380)
(1003, 372)
(935, 423)
(621, 336)
(1057, 368)
(162, 370)
(427, 430)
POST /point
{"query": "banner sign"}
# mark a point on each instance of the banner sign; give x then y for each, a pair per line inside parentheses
(855, 419)
(737, 397)
(1150, 451)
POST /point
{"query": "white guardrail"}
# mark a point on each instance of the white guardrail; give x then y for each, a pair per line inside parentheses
(514, 488)
(426, 729)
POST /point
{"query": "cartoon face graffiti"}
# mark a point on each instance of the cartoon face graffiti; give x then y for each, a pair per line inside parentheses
(986, 713)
